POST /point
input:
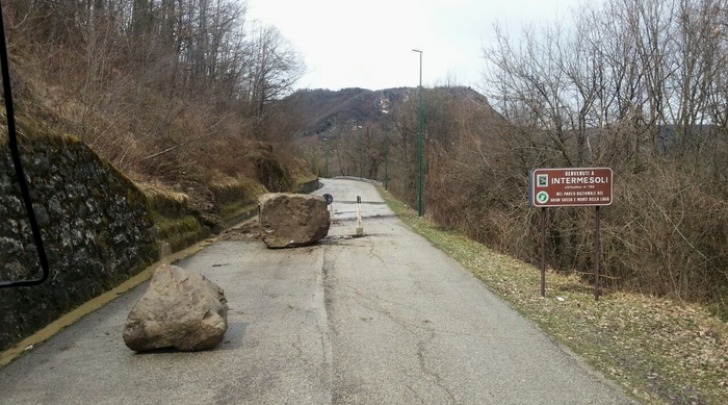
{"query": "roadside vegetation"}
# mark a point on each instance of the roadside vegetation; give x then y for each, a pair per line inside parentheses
(660, 350)
(635, 85)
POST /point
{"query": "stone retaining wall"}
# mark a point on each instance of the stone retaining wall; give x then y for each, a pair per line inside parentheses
(96, 228)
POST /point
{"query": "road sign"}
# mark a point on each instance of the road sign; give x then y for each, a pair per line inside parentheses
(570, 187)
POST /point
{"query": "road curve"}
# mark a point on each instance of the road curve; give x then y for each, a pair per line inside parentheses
(380, 319)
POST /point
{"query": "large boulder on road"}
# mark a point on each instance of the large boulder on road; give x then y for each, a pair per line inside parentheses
(288, 220)
(180, 309)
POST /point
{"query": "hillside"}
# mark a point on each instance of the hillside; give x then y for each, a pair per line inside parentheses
(354, 131)
(326, 110)
(173, 113)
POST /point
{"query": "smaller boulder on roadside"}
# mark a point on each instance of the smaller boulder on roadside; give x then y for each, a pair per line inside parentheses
(289, 220)
(180, 309)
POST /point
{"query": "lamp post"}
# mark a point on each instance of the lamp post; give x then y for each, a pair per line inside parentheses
(386, 159)
(327, 152)
(419, 143)
(361, 153)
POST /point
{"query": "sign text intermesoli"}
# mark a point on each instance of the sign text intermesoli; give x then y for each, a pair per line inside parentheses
(569, 187)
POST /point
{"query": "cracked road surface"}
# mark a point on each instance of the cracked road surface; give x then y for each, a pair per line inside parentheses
(380, 319)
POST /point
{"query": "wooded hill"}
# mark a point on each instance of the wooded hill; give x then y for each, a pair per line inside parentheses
(353, 132)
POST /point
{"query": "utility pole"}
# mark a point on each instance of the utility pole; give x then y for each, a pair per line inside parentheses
(386, 159)
(361, 152)
(419, 143)
(327, 152)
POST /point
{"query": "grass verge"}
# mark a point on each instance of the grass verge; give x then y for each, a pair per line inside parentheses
(661, 351)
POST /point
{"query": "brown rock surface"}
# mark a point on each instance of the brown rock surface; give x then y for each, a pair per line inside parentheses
(288, 220)
(180, 309)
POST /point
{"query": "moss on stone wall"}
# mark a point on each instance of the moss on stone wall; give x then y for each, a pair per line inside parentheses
(180, 232)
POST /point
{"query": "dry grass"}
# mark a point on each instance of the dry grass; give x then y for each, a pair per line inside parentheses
(159, 194)
(33, 130)
(661, 351)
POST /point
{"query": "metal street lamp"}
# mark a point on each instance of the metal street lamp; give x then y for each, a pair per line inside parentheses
(327, 152)
(386, 159)
(419, 143)
(361, 152)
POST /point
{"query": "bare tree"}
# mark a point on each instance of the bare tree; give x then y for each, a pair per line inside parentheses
(275, 67)
(639, 85)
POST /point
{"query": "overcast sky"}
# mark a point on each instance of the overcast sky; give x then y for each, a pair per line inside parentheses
(368, 43)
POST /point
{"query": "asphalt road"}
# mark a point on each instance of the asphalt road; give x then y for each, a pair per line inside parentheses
(381, 319)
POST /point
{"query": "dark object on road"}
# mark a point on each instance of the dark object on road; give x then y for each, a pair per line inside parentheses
(180, 309)
(289, 220)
